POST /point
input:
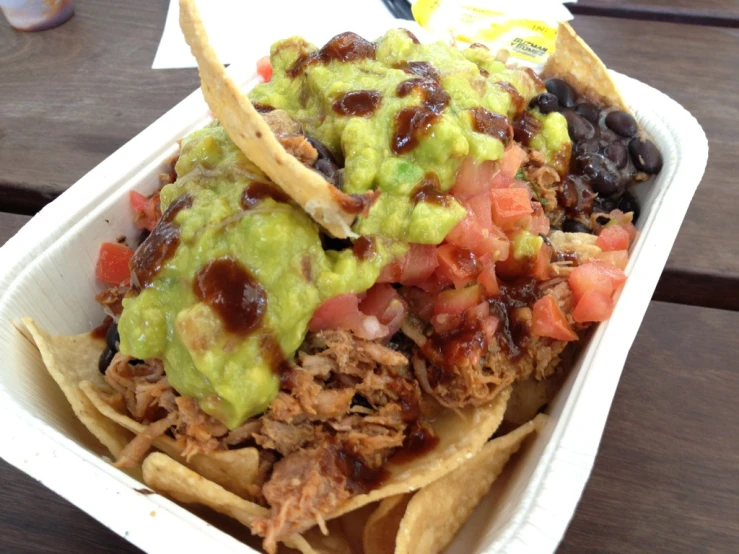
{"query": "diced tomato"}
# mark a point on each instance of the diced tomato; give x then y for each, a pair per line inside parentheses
(264, 68)
(436, 283)
(443, 323)
(596, 275)
(613, 237)
(420, 263)
(458, 301)
(520, 184)
(509, 205)
(478, 312)
(469, 234)
(549, 321)
(146, 210)
(384, 302)
(593, 306)
(113, 265)
(541, 265)
(391, 272)
(473, 179)
(539, 224)
(618, 258)
(480, 207)
(488, 280)
(459, 265)
(342, 312)
(509, 165)
(420, 302)
(488, 326)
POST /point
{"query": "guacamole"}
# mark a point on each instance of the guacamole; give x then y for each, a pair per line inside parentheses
(238, 242)
(228, 281)
(396, 111)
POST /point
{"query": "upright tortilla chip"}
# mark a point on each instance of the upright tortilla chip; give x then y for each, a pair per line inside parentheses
(331, 208)
(461, 435)
(235, 470)
(70, 360)
(575, 62)
(437, 512)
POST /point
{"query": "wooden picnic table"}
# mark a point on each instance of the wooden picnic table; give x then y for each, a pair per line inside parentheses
(665, 478)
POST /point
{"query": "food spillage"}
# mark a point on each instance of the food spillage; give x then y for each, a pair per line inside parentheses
(493, 229)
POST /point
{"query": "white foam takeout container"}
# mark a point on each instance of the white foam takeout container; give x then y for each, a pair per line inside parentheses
(47, 272)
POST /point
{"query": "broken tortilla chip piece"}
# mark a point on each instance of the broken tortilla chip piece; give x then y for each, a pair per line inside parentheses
(327, 205)
(438, 511)
(236, 470)
(70, 360)
(461, 435)
(165, 475)
(529, 396)
(382, 526)
(575, 62)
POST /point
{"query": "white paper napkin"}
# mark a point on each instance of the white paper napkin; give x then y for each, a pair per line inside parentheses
(244, 29)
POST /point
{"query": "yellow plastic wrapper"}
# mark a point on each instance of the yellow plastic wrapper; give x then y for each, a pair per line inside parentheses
(501, 25)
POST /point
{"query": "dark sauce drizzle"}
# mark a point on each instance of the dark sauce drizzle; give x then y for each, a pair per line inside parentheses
(159, 246)
(346, 47)
(362, 103)
(233, 293)
(429, 190)
(512, 334)
(257, 191)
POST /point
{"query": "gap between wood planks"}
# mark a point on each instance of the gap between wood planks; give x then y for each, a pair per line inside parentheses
(674, 15)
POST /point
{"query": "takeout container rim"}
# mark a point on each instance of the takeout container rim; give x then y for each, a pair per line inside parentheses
(565, 456)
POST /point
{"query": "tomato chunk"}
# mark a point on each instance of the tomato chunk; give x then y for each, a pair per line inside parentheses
(613, 237)
(488, 280)
(384, 302)
(618, 258)
(458, 301)
(420, 302)
(593, 306)
(513, 157)
(113, 264)
(146, 210)
(458, 265)
(510, 205)
(549, 321)
(264, 68)
(596, 275)
(541, 265)
(473, 179)
(469, 234)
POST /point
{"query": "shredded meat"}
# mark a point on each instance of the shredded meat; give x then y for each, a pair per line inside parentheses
(345, 399)
(144, 387)
(112, 301)
(136, 449)
(290, 134)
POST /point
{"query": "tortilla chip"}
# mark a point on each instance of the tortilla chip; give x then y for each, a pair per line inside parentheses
(353, 524)
(529, 396)
(333, 543)
(575, 62)
(382, 526)
(69, 360)
(321, 200)
(235, 470)
(165, 475)
(438, 511)
(460, 436)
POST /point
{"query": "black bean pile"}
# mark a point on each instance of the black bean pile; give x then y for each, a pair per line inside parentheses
(608, 156)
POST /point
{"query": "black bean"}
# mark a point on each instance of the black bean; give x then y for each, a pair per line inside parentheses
(105, 358)
(616, 152)
(621, 123)
(589, 146)
(565, 94)
(575, 226)
(112, 338)
(589, 112)
(645, 155)
(628, 203)
(578, 127)
(602, 174)
(604, 205)
(546, 102)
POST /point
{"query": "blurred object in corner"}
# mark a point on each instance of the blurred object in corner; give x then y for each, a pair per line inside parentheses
(36, 15)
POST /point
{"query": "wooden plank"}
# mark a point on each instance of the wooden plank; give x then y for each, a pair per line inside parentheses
(665, 479)
(723, 13)
(71, 96)
(9, 225)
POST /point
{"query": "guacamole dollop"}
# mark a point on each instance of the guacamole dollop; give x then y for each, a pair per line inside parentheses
(237, 239)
